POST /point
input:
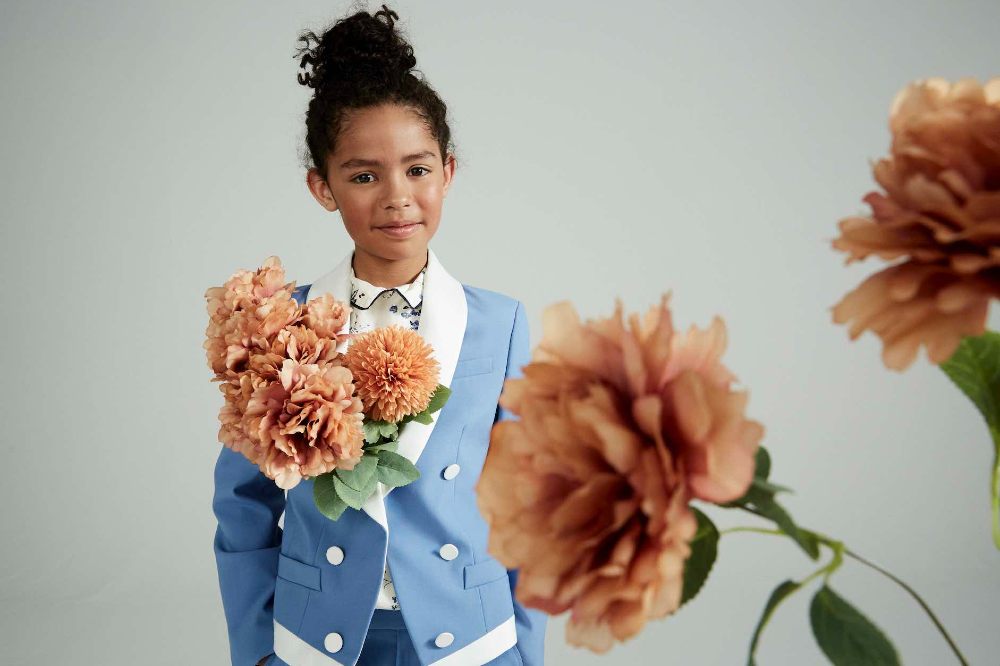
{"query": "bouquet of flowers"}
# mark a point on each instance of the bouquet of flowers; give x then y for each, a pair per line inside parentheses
(298, 407)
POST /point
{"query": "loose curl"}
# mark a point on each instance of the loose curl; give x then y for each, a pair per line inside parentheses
(361, 61)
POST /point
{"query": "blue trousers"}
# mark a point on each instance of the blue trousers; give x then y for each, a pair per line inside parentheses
(388, 644)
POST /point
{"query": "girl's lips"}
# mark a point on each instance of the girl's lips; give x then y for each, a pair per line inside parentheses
(400, 232)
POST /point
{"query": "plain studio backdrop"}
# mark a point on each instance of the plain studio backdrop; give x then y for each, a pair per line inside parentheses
(626, 149)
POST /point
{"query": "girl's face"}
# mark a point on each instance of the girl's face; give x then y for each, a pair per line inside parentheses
(386, 171)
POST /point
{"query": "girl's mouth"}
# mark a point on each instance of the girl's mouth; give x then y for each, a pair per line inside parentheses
(404, 231)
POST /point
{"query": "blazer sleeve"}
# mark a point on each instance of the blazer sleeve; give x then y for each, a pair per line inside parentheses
(530, 622)
(247, 505)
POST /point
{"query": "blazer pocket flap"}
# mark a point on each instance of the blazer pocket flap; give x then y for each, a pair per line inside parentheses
(473, 366)
(298, 572)
(483, 572)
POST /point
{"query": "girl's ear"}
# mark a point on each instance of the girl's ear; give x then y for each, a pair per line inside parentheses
(449, 173)
(320, 189)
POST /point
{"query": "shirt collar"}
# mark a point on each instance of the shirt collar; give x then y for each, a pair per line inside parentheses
(364, 293)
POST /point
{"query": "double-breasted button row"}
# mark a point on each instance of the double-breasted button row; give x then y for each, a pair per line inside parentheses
(334, 641)
(449, 551)
(335, 555)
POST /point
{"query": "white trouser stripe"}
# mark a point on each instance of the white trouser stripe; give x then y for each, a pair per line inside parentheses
(295, 651)
(487, 647)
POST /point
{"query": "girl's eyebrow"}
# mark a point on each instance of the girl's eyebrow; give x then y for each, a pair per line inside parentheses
(359, 162)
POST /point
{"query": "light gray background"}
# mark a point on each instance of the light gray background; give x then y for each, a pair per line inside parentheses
(150, 150)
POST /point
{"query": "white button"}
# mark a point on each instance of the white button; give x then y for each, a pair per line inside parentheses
(451, 471)
(333, 642)
(334, 555)
(449, 551)
(444, 639)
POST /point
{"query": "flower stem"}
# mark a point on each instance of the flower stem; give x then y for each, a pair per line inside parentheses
(995, 491)
(923, 604)
(839, 550)
(759, 530)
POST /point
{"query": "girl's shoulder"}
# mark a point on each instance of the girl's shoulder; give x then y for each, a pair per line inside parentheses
(489, 299)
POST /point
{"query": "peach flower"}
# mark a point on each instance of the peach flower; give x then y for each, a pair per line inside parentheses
(394, 371)
(245, 314)
(325, 316)
(939, 215)
(298, 343)
(305, 424)
(255, 328)
(587, 493)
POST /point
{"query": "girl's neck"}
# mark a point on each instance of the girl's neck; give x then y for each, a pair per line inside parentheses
(387, 272)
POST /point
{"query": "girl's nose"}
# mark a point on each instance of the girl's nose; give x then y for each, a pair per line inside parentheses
(398, 194)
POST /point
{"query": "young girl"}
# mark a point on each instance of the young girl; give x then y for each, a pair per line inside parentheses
(407, 580)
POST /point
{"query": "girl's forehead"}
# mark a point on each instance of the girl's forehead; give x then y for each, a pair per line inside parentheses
(385, 127)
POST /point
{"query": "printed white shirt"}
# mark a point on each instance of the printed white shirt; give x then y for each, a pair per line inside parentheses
(374, 307)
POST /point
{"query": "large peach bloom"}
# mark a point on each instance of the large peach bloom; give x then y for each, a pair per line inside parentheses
(305, 424)
(394, 371)
(245, 314)
(254, 326)
(587, 492)
(939, 215)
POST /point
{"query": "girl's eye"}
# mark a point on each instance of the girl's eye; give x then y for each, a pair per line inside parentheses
(425, 169)
(361, 175)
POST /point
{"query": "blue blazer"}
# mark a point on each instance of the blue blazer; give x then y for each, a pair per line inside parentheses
(295, 583)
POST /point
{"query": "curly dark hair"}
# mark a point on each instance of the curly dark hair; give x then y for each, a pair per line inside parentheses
(360, 61)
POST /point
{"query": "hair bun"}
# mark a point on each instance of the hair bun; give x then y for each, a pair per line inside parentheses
(363, 50)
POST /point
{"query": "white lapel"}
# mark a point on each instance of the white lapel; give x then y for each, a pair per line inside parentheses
(443, 316)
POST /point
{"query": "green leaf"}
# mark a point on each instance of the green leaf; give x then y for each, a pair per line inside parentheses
(759, 499)
(779, 594)
(325, 497)
(845, 635)
(777, 514)
(423, 417)
(395, 470)
(391, 445)
(769, 487)
(358, 477)
(762, 466)
(704, 548)
(372, 431)
(353, 498)
(388, 430)
(975, 369)
(441, 395)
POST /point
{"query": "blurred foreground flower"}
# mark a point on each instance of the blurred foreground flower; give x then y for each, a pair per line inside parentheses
(939, 214)
(620, 427)
(940, 217)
